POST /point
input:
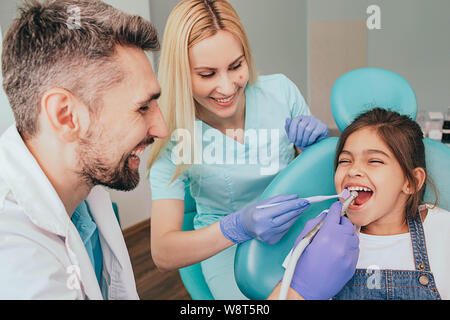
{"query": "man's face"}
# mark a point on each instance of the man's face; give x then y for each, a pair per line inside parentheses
(128, 121)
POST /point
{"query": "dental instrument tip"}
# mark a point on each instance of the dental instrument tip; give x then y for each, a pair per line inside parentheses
(345, 194)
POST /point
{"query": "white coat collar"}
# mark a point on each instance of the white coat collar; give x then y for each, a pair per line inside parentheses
(101, 209)
(30, 186)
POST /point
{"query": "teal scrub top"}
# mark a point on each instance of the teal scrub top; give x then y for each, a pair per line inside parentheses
(87, 228)
(233, 175)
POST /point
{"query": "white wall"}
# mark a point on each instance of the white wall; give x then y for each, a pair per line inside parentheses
(413, 41)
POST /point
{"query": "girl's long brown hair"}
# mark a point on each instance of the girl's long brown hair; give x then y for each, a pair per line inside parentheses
(404, 138)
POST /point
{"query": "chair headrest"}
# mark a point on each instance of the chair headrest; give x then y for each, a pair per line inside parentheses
(363, 89)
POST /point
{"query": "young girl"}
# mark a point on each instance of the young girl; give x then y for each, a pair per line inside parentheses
(209, 84)
(403, 243)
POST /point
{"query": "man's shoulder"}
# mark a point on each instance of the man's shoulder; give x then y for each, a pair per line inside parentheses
(16, 224)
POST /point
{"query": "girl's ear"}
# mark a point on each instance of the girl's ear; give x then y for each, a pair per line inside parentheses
(420, 176)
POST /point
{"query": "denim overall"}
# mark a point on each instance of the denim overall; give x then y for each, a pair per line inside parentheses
(380, 284)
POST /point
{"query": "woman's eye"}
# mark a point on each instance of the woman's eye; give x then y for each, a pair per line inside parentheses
(206, 75)
(236, 66)
(376, 161)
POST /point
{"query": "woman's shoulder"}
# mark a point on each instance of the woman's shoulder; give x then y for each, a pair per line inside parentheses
(278, 90)
(272, 80)
(277, 85)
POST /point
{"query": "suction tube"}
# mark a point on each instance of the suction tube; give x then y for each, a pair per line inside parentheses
(288, 274)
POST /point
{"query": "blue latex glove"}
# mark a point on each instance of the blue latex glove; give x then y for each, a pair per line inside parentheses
(329, 261)
(267, 224)
(304, 131)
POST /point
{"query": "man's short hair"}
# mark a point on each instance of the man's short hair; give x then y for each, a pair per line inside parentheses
(68, 44)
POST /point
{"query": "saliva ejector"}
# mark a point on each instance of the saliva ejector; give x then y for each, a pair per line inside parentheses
(298, 250)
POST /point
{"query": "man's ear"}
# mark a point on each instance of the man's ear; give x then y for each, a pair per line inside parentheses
(61, 108)
(419, 176)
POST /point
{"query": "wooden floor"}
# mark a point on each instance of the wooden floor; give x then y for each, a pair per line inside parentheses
(150, 283)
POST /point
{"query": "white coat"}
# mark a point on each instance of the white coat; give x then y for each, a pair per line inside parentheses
(41, 253)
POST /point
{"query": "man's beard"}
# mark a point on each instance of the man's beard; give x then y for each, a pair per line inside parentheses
(95, 169)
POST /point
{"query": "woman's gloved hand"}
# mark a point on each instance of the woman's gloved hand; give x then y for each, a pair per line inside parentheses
(329, 261)
(304, 131)
(267, 224)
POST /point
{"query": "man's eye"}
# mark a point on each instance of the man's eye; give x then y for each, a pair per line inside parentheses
(143, 108)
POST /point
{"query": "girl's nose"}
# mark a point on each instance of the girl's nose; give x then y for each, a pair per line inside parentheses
(355, 171)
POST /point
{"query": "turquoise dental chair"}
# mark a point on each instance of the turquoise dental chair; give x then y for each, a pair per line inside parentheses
(192, 276)
(258, 265)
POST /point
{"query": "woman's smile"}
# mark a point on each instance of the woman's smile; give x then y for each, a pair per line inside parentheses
(226, 101)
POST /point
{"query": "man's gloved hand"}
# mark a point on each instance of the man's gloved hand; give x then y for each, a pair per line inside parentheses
(329, 261)
(267, 224)
(304, 131)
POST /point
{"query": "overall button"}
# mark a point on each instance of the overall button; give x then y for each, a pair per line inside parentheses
(424, 280)
(421, 266)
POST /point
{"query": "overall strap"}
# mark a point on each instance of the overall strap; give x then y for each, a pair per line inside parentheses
(418, 244)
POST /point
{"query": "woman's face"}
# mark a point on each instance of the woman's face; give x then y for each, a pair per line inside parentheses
(366, 162)
(219, 74)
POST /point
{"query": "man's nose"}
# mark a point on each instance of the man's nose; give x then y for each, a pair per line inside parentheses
(158, 126)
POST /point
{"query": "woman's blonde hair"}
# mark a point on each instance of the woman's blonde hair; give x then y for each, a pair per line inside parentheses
(190, 22)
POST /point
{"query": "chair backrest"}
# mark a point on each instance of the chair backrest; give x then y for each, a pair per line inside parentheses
(362, 89)
(258, 265)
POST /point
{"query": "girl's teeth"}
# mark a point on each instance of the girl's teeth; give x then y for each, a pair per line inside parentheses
(359, 189)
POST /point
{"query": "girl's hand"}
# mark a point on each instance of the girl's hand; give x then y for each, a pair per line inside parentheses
(304, 131)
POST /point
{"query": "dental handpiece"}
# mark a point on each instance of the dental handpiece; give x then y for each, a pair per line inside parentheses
(301, 246)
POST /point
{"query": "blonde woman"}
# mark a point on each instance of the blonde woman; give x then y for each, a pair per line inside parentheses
(232, 132)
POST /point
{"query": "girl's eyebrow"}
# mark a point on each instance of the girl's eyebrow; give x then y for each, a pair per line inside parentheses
(377, 151)
(369, 151)
(209, 68)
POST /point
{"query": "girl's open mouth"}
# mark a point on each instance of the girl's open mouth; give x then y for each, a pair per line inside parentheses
(364, 195)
